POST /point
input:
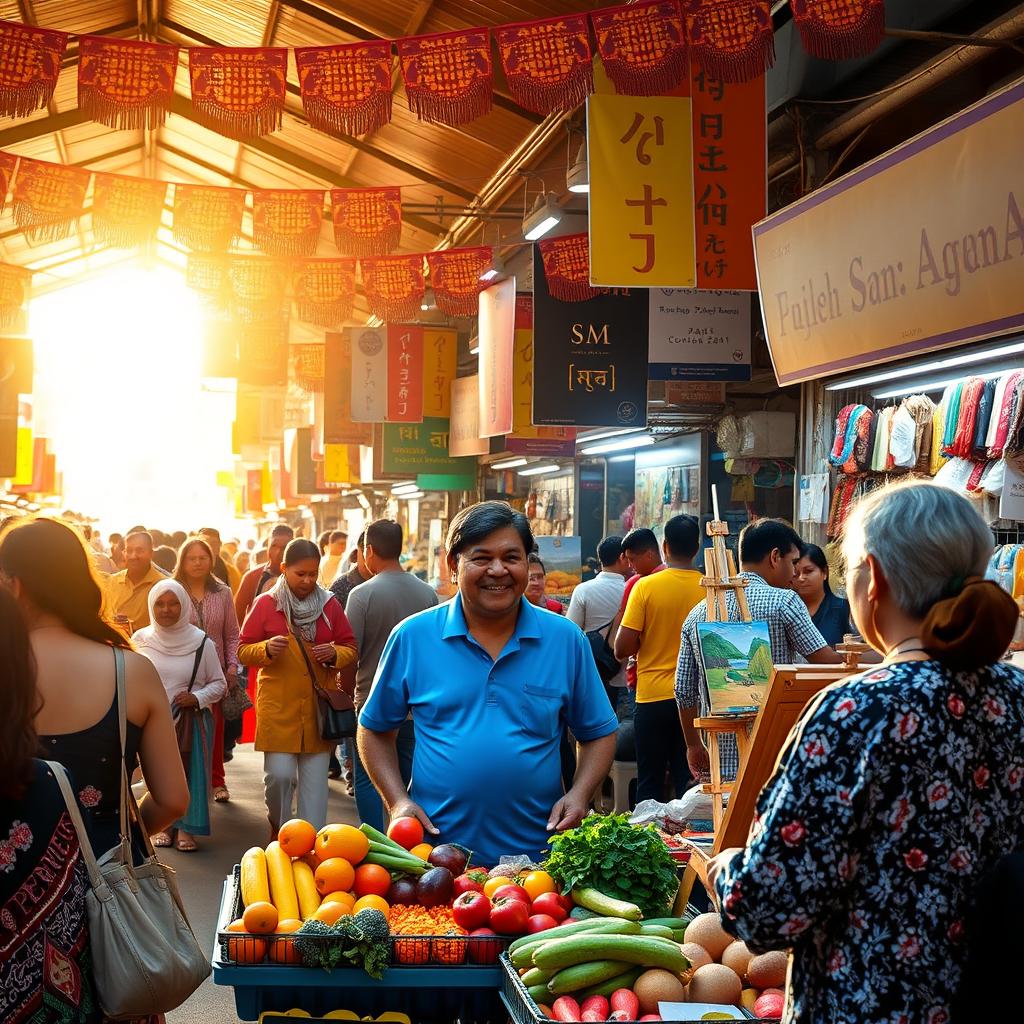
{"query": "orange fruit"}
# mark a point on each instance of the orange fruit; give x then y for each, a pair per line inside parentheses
(260, 918)
(329, 913)
(371, 880)
(492, 885)
(372, 902)
(245, 950)
(340, 897)
(282, 950)
(297, 837)
(422, 851)
(341, 841)
(334, 875)
(287, 926)
(538, 882)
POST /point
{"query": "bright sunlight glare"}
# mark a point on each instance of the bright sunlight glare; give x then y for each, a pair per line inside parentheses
(118, 390)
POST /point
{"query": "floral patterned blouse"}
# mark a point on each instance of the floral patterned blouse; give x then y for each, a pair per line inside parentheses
(894, 796)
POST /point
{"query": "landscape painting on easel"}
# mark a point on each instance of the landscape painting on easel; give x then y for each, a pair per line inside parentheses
(737, 660)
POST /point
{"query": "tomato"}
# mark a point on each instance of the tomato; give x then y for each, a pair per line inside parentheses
(482, 951)
(511, 891)
(372, 880)
(492, 885)
(407, 832)
(509, 916)
(537, 882)
(471, 881)
(540, 923)
(549, 903)
(471, 910)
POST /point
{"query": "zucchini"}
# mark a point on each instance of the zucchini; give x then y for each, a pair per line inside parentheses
(523, 956)
(644, 950)
(612, 985)
(592, 899)
(580, 976)
(569, 928)
(538, 993)
(535, 976)
(656, 929)
(675, 923)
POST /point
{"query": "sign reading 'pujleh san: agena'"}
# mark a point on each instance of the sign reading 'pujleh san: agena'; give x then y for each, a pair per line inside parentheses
(918, 250)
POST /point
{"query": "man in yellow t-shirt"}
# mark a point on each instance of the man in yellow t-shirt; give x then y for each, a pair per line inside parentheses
(128, 590)
(657, 607)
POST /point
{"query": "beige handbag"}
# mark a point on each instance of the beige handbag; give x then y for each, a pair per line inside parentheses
(146, 958)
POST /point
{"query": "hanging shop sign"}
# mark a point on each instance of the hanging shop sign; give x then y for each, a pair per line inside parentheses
(263, 353)
(405, 374)
(593, 358)
(341, 464)
(881, 264)
(446, 481)
(730, 173)
(695, 392)
(699, 335)
(369, 374)
(339, 427)
(440, 361)
(497, 327)
(16, 368)
(641, 191)
(465, 437)
(420, 448)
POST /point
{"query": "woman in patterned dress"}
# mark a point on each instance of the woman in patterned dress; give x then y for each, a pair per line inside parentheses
(901, 788)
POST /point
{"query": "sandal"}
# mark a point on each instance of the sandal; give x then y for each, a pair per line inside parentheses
(221, 795)
(186, 844)
(162, 839)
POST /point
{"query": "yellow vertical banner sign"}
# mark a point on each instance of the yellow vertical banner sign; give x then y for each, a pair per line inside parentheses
(440, 358)
(267, 484)
(641, 191)
(26, 446)
(336, 464)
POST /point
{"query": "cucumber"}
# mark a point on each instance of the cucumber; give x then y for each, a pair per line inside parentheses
(592, 899)
(538, 993)
(569, 928)
(523, 956)
(612, 985)
(675, 923)
(535, 976)
(580, 976)
(644, 950)
(656, 929)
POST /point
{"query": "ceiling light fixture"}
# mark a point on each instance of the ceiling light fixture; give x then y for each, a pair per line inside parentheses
(401, 492)
(620, 445)
(600, 435)
(577, 178)
(496, 269)
(542, 218)
(930, 385)
(509, 463)
(621, 458)
(537, 469)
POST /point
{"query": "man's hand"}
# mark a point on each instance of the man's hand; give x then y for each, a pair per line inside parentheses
(717, 864)
(275, 645)
(186, 700)
(325, 653)
(568, 812)
(699, 762)
(408, 808)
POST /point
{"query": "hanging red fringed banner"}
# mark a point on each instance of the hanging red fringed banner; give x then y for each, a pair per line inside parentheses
(8, 165)
(324, 291)
(15, 291)
(346, 89)
(308, 367)
(394, 286)
(448, 77)
(547, 63)
(30, 59)
(207, 218)
(126, 212)
(367, 221)
(286, 222)
(642, 47)
(257, 287)
(208, 275)
(238, 92)
(126, 83)
(48, 199)
(567, 267)
(839, 29)
(732, 40)
(455, 278)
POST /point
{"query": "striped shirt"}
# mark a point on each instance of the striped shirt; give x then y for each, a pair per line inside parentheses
(790, 630)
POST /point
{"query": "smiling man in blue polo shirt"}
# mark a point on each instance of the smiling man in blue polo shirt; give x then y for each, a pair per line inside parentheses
(491, 682)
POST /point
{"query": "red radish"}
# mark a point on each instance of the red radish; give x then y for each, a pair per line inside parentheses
(595, 1008)
(565, 1008)
(625, 999)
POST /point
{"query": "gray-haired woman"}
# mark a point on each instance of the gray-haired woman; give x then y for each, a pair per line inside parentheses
(901, 788)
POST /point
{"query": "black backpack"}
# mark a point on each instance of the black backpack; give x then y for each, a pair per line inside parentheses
(604, 657)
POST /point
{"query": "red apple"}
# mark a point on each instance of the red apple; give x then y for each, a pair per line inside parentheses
(470, 881)
(513, 892)
(549, 903)
(481, 951)
(769, 1006)
(471, 910)
(540, 923)
(509, 916)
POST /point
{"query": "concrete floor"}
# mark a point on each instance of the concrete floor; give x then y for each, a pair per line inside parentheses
(236, 826)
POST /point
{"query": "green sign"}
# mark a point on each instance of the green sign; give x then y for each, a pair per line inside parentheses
(414, 448)
(446, 481)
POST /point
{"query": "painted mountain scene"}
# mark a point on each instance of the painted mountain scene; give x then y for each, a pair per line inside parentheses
(737, 660)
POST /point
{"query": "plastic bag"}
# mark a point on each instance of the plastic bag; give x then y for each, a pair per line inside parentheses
(692, 810)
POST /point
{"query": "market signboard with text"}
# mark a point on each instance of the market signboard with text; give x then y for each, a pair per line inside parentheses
(699, 335)
(918, 250)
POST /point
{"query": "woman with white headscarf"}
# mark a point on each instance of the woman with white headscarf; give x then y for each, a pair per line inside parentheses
(292, 631)
(187, 662)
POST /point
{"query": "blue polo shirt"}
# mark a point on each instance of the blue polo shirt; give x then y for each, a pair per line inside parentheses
(486, 768)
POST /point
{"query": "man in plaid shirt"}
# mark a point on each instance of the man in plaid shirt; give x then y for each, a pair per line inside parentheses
(769, 552)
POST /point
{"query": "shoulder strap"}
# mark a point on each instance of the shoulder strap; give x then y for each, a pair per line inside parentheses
(305, 658)
(264, 576)
(195, 666)
(95, 878)
(128, 804)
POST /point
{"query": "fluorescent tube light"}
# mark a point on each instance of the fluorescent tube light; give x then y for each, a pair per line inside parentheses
(509, 463)
(541, 219)
(536, 470)
(496, 268)
(621, 445)
(621, 458)
(927, 385)
(474, 349)
(401, 492)
(599, 435)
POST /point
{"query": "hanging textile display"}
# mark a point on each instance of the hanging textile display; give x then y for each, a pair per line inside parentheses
(48, 199)
(346, 89)
(732, 40)
(839, 29)
(30, 59)
(643, 47)
(394, 286)
(324, 291)
(367, 221)
(208, 275)
(207, 218)
(286, 222)
(126, 211)
(8, 163)
(15, 290)
(567, 267)
(257, 287)
(308, 367)
(547, 63)
(126, 83)
(455, 278)
(448, 76)
(238, 92)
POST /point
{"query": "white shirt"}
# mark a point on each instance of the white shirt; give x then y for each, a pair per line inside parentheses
(175, 671)
(595, 603)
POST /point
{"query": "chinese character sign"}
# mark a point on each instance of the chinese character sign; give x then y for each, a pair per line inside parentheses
(405, 374)
(440, 356)
(641, 191)
(369, 374)
(338, 425)
(497, 353)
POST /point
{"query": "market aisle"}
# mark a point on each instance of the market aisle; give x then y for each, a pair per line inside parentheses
(236, 826)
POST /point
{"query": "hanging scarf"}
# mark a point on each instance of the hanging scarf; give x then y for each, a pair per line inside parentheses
(301, 614)
(1006, 413)
(175, 641)
(963, 437)
(840, 451)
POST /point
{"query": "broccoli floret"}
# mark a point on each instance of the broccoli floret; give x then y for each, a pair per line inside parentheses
(369, 944)
(313, 945)
(374, 924)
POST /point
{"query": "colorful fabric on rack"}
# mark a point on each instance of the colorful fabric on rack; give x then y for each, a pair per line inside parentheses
(126, 83)
(346, 88)
(963, 438)
(997, 411)
(979, 448)
(308, 367)
(367, 221)
(839, 29)
(207, 218)
(257, 287)
(842, 446)
(286, 222)
(642, 47)
(842, 502)
(324, 290)
(15, 291)
(208, 275)
(1007, 411)
(567, 267)
(1013, 445)
(731, 40)
(455, 278)
(8, 165)
(922, 410)
(547, 63)
(238, 91)
(48, 199)
(30, 59)
(448, 77)
(902, 438)
(393, 285)
(952, 416)
(126, 211)
(862, 425)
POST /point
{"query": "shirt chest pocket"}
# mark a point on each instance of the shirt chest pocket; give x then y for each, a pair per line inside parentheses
(540, 710)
